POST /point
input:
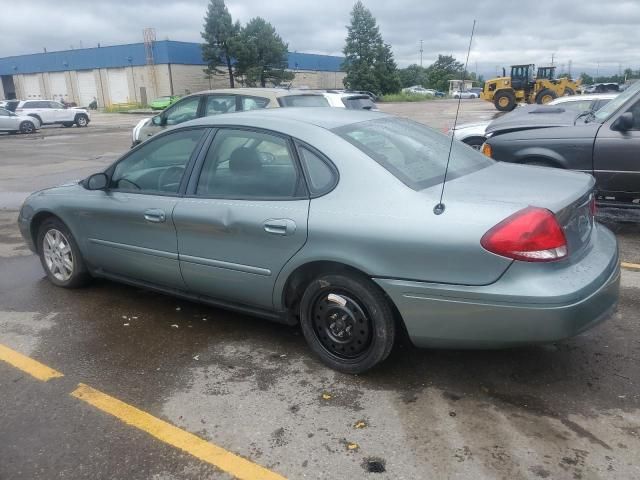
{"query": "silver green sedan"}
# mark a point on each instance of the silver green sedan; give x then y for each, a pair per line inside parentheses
(328, 218)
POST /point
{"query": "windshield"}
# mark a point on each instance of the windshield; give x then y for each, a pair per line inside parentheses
(605, 112)
(303, 101)
(415, 154)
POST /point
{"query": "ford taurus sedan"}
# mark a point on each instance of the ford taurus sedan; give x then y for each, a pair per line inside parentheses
(332, 219)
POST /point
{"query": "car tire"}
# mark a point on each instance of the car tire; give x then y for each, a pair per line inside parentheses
(504, 100)
(474, 142)
(545, 96)
(347, 321)
(27, 127)
(569, 91)
(67, 124)
(81, 120)
(60, 256)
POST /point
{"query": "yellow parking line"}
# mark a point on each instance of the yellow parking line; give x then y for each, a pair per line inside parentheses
(630, 266)
(27, 365)
(174, 436)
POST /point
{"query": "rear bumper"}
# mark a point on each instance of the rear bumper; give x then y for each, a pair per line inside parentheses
(530, 303)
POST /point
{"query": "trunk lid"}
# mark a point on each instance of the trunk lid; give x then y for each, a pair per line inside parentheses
(512, 187)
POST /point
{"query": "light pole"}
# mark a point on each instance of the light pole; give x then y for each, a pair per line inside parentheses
(420, 53)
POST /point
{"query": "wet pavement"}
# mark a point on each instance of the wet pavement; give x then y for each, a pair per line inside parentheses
(568, 410)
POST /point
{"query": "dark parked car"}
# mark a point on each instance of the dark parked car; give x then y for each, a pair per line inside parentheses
(605, 143)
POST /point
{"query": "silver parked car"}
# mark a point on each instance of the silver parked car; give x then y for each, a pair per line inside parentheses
(13, 123)
(326, 218)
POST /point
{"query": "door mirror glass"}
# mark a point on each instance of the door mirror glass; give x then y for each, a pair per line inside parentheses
(97, 181)
(623, 123)
(157, 120)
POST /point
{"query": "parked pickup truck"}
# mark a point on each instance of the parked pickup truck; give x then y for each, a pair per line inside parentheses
(605, 144)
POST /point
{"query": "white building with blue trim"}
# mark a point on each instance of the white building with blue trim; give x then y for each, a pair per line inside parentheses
(131, 74)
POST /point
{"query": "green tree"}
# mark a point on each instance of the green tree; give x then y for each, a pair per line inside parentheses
(261, 54)
(369, 63)
(586, 78)
(445, 68)
(219, 33)
(413, 75)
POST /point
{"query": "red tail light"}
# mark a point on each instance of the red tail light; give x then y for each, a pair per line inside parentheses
(593, 209)
(532, 234)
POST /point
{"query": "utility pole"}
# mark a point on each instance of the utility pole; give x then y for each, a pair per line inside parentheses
(421, 53)
(569, 68)
(552, 57)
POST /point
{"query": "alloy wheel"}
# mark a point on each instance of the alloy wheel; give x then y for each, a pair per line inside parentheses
(58, 255)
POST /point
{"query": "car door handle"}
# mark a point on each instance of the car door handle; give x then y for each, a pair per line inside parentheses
(280, 226)
(154, 215)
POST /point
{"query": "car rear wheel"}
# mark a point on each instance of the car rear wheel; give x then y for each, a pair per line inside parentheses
(82, 120)
(60, 256)
(27, 127)
(504, 100)
(347, 321)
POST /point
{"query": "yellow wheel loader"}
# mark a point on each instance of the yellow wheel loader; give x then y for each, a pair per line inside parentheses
(505, 92)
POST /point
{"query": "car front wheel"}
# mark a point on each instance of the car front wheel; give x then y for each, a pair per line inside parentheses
(27, 127)
(60, 256)
(347, 321)
(82, 120)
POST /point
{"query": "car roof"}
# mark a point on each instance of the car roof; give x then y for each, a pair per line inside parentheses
(323, 117)
(257, 91)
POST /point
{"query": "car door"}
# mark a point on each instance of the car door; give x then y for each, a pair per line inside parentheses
(7, 122)
(244, 217)
(128, 226)
(186, 109)
(616, 161)
(59, 113)
(45, 112)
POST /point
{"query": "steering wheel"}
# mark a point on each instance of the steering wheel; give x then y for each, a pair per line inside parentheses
(267, 157)
(169, 179)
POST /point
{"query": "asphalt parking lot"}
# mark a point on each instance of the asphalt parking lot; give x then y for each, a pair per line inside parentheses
(138, 385)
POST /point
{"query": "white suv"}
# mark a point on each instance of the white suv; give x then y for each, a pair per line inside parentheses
(51, 112)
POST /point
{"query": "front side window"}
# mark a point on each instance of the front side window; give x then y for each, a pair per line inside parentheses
(303, 101)
(606, 111)
(413, 153)
(247, 164)
(217, 104)
(182, 111)
(55, 105)
(157, 166)
(4, 113)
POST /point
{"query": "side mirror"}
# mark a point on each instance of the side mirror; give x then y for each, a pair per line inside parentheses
(623, 123)
(158, 121)
(97, 181)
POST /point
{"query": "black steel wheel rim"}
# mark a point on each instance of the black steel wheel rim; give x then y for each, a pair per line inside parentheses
(341, 324)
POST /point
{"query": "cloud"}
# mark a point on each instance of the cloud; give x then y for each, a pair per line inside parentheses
(592, 34)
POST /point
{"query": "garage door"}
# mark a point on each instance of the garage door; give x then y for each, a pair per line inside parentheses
(118, 86)
(58, 86)
(31, 86)
(87, 90)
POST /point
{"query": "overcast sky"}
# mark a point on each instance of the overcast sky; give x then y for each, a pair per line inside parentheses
(592, 34)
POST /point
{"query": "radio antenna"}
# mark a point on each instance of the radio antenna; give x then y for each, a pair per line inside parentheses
(439, 208)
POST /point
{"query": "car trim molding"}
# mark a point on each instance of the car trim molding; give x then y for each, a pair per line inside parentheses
(209, 262)
(133, 248)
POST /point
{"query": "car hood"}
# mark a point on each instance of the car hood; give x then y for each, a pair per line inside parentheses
(533, 116)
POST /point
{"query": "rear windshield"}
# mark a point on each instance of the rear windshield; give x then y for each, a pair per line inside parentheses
(415, 154)
(303, 101)
(359, 103)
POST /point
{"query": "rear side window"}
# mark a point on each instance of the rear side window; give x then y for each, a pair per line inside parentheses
(358, 103)
(254, 103)
(303, 101)
(412, 152)
(322, 178)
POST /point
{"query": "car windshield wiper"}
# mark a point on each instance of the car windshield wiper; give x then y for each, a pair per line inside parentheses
(588, 113)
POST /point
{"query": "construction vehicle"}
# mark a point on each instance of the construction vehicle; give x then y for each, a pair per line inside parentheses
(505, 92)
